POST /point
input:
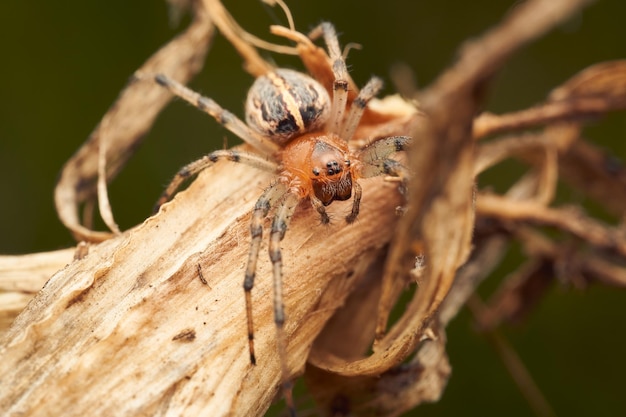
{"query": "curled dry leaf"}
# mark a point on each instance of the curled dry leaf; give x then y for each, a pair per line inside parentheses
(122, 129)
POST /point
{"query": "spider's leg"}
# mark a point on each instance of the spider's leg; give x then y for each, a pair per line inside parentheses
(224, 117)
(206, 161)
(382, 148)
(279, 226)
(356, 202)
(368, 92)
(319, 206)
(388, 166)
(340, 73)
(263, 205)
(375, 159)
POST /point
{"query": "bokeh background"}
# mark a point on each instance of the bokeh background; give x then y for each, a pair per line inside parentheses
(64, 63)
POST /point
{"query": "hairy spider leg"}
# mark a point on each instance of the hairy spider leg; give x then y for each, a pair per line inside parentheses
(368, 92)
(206, 161)
(223, 117)
(268, 199)
(287, 203)
(375, 159)
(340, 73)
(284, 211)
(389, 167)
(382, 148)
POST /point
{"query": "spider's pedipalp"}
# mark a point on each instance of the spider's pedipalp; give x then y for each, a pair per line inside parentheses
(263, 205)
(368, 92)
(319, 207)
(340, 73)
(356, 202)
(206, 161)
(223, 117)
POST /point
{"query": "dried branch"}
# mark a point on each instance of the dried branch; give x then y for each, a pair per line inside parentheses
(594, 92)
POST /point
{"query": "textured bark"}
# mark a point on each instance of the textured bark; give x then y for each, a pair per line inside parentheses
(130, 329)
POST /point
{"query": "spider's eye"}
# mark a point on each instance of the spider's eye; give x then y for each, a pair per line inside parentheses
(333, 168)
(316, 172)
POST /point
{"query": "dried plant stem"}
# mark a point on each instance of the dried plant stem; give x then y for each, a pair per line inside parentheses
(173, 345)
(569, 220)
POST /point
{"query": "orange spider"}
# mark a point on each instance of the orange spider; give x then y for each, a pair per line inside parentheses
(302, 136)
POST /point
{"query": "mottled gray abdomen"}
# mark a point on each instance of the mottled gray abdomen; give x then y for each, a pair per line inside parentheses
(285, 103)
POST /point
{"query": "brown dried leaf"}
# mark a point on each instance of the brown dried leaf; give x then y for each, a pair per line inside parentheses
(124, 126)
(22, 276)
(440, 216)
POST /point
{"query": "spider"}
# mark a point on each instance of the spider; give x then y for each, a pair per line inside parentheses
(303, 137)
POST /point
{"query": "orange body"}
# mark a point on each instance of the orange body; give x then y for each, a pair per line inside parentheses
(318, 164)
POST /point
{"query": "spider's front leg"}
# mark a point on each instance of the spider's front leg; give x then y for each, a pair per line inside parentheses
(222, 116)
(284, 212)
(375, 159)
(206, 161)
(359, 104)
(340, 73)
(263, 205)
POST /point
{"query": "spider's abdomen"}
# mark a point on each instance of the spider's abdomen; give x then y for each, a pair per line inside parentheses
(284, 104)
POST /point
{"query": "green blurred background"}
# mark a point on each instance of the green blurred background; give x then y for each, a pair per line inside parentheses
(64, 63)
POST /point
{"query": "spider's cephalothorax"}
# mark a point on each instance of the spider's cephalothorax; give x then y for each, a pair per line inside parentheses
(302, 133)
(321, 162)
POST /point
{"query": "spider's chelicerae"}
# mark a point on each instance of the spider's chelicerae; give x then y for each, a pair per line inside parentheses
(304, 137)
